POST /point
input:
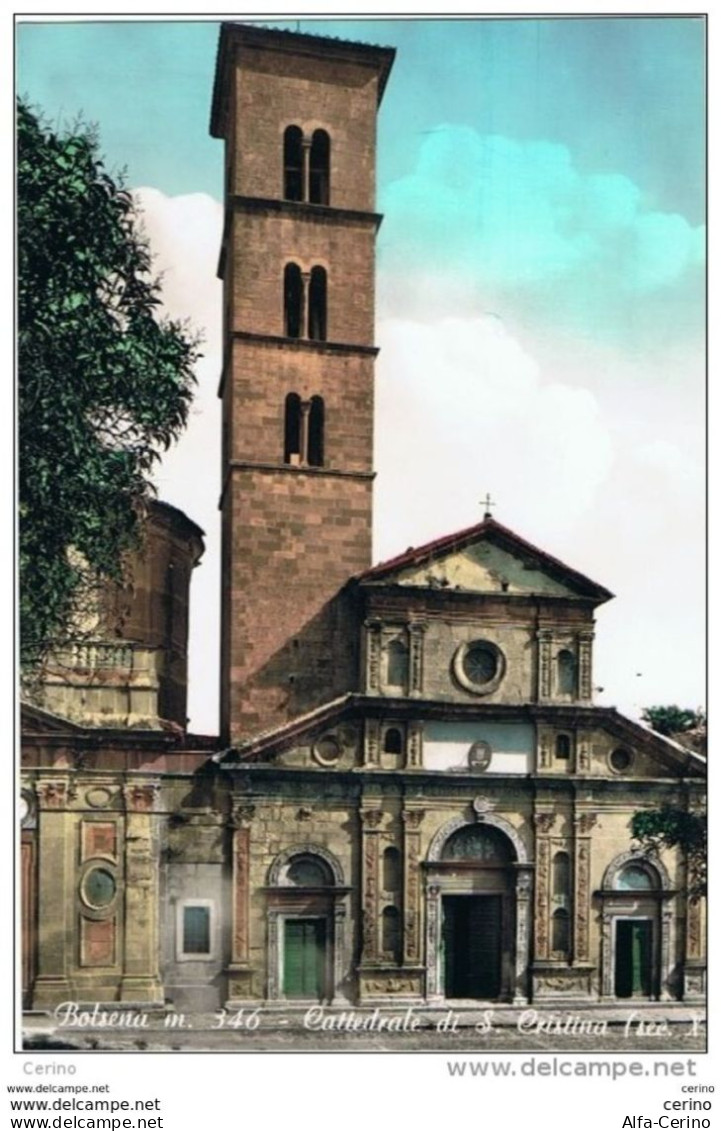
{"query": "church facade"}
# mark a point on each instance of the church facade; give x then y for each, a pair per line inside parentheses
(413, 799)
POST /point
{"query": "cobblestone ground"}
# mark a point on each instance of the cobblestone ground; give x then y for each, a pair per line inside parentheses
(679, 1038)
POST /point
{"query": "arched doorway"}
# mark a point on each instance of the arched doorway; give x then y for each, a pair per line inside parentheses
(635, 949)
(478, 891)
(306, 925)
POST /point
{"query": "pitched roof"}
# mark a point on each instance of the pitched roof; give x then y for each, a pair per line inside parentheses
(492, 531)
(680, 758)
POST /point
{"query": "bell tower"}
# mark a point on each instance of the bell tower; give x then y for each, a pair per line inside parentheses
(297, 114)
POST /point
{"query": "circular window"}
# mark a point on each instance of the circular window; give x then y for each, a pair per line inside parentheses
(620, 759)
(479, 666)
(327, 750)
(99, 888)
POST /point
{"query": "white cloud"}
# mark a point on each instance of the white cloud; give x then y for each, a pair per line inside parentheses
(463, 409)
(184, 234)
(518, 217)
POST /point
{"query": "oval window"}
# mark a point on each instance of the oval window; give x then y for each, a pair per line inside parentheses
(327, 750)
(620, 760)
(99, 888)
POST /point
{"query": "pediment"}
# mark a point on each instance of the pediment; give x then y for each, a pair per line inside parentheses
(485, 559)
(35, 720)
(484, 568)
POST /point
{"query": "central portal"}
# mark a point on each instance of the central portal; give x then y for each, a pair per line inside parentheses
(472, 926)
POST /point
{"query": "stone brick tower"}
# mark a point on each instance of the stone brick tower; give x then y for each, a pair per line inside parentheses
(298, 117)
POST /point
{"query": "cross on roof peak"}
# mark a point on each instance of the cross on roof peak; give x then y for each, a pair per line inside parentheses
(487, 503)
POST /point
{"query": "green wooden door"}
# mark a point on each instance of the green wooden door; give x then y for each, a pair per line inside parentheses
(634, 960)
(304, 958)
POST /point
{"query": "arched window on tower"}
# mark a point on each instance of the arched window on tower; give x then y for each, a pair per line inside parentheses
(320, 168)
(292, 452)
(316, 422)
(293, 163)
(566, 662)
(293, 300)
(317, 304)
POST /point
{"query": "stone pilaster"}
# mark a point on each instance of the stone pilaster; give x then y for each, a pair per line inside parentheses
(412, 819)
(55, 904)
(370, 823)
(585, 665)
(416, 633)
(141, 977)
(373, 657)
(372, 742)
(545, 638)
(239, 972)
(524, 884)
(583, 823)
(544, 824)
(415, 746)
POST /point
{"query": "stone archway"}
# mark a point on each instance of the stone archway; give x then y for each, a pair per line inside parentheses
(636, 916)
(482, 896)
(307, 912)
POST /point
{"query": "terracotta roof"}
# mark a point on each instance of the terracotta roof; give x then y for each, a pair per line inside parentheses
(500, 535)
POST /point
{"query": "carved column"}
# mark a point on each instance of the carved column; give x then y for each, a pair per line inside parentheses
(273, 990)
(585, 674)
(370, 822)
(411, 886)
(583, 823)
(545, 637)
(303, 316)
(415, 683)
(373, 656)
(240, 976)
(523, 935)
(433, 936)
(55, 902)
(303, 438)
(141, 976)
(607, 955)
(339, 949)
(306, 144)
(693, 929)
(544, 824)
(665, 955)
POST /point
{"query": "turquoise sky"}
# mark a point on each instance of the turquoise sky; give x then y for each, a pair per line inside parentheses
(554, 166)
(622, 94)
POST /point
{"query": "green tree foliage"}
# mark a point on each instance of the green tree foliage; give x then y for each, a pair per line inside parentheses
(672, 720)
(669, 827)
(104, 383)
